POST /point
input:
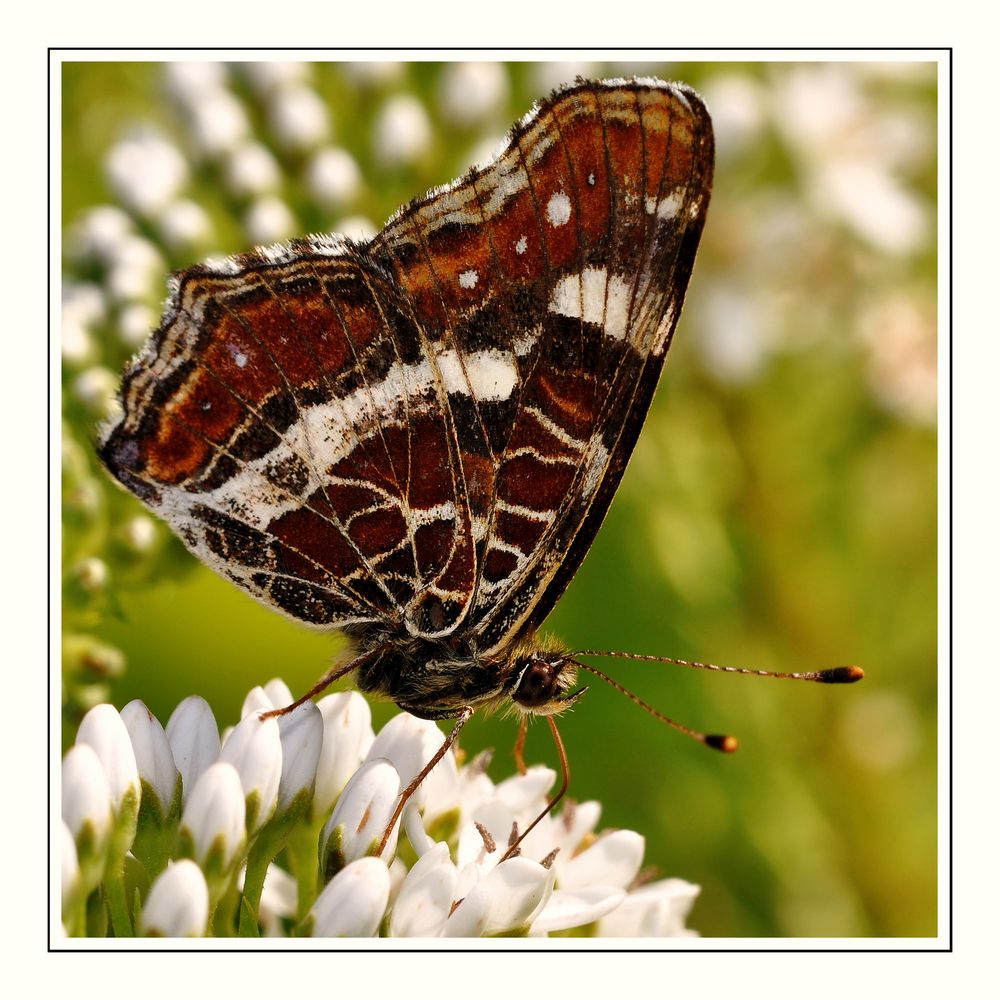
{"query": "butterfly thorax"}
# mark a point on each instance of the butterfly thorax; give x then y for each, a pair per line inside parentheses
(435, 679)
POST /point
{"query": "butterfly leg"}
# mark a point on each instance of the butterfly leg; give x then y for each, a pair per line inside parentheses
(463, 717)
(522, 735)
(334, 674)
(513, 851)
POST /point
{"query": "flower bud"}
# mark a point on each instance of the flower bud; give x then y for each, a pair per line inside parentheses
(103, 730)
(409, 743)
(153, 757)
(347, 737)
(87, 810)
(194, 739)
(354, 901)
(254, 749)
(214, 818)
(359, 820)
(177, 905)
(301, 743)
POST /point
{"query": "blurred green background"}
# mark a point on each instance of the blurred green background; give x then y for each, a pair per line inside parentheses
(779, 512)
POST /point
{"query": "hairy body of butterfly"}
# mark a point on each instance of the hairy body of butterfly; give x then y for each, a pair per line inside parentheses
(415, 439)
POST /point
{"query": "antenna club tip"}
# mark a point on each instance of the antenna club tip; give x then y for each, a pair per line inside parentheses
(727, 744)
(841, 675)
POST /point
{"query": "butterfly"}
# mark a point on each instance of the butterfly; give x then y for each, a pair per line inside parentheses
(416, 438)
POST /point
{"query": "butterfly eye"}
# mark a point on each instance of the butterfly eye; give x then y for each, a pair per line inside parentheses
(538, 684)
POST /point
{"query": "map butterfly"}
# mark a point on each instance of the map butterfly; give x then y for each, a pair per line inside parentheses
(415, 439)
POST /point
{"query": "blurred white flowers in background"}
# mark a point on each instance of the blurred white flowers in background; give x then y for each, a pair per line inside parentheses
(281, 822)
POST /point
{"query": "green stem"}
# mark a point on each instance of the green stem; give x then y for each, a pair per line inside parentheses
(302, 854)
(114, 893)
(253, 885)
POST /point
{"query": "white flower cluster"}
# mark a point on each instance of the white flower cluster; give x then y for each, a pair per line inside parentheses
(206, 818)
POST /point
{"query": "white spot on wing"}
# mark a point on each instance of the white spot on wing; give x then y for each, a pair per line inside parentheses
(671, 205)
(468, 279)
(489, 375)
(595, 298)
(558, 209)
(521, 245)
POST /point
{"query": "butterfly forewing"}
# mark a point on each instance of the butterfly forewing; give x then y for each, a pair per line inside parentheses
(557, 273)
(426, 431)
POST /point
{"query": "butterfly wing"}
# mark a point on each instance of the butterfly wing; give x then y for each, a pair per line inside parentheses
(287, 420)
(554, 277)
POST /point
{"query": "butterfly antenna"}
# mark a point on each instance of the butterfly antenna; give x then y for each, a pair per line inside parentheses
(717, 741)
(831, 675)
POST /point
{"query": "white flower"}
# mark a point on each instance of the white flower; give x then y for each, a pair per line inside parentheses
(402, 131)
(103, 730)
(333, 176)
(473, 90)
(409, 743)
(576, 908)
(425, 898)
(217, 122)
(356, 227)
(184, 224)
(98, 235)
(257, 700)
(347, 737)
(194, 739)
(436, 899)
(146, 172)
(97, 389)
(250, 170)
(153, 758)
(254, 749)
(361, 815)
(301, 734)
(268, 220)
(266, 76)
(135, 321)
(136, 272)
(86, 797)
(612, 860)
(298, 117)
(655, 910)
(354, 901)
(215, 816)
(177, 905)
(187, 82)
(279, 692)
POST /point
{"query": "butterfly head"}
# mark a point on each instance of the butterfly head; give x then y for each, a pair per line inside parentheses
(543, 682)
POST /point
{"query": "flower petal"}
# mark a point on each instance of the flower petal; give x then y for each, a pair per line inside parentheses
(655, 910)
(612, 860)
(424, 901)
(576, 908)
(177, 905)
(194, 740)
(153, 756)
(102, 729)
(520, 889)
(354, 901)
